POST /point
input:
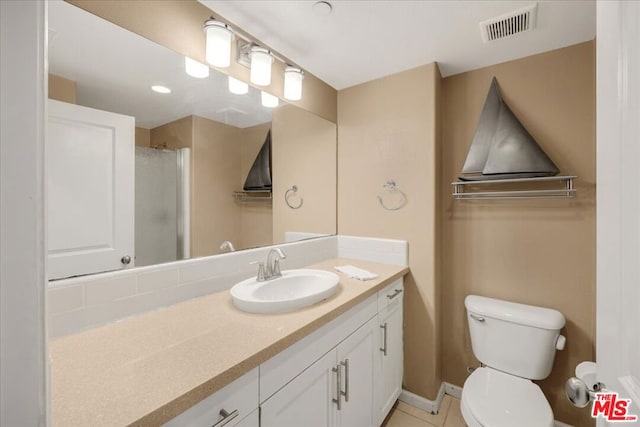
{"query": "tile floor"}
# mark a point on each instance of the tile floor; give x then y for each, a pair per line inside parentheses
(403, 415)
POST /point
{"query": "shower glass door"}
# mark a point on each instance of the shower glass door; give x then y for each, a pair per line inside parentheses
(161, 205)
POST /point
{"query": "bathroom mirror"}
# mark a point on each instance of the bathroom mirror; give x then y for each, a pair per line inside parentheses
(97, 64)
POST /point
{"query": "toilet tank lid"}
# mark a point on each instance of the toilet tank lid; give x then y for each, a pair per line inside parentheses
(539, 317)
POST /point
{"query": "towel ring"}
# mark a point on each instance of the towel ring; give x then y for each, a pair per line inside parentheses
(294, 190)
(390, 185)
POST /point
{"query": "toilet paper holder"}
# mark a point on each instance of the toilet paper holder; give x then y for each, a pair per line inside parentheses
(579, 394)
(582, 388)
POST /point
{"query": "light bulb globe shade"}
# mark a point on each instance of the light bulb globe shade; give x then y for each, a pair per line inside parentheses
(195, 69)
(238, 87)
(218, 48)
(261, 61)
(269, 100)
(293, 83)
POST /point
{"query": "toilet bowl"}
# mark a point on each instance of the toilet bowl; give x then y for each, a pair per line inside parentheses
(516, 343)
(493, 398)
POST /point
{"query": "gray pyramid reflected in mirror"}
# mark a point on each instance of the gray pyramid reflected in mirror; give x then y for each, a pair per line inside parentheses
(502, 148)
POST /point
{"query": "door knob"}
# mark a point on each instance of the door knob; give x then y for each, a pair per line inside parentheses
(125, 259)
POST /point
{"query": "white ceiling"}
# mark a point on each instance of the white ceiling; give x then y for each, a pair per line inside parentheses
(114, 70)
(364, 40)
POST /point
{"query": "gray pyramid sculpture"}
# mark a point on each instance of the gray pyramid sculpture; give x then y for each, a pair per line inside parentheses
(502, 148)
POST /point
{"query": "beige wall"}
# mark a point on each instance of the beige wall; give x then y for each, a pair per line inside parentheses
(221, 156)
(177, 24)
(388, 129)
(173, 135)
(533, 252)
(215, 164)
(304, 154)
(256, 217)
(143, 137)
(62, 89)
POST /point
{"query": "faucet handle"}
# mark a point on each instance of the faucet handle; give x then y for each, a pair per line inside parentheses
(261, 272)
(276, 268)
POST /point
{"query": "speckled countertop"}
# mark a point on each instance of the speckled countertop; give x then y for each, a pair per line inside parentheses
(147, 369)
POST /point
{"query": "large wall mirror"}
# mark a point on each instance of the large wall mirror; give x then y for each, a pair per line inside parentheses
(186, 157)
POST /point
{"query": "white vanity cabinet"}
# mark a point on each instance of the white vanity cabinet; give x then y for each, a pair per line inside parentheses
(390, 357)
(336, 390)
(351, 360)
(348, 373)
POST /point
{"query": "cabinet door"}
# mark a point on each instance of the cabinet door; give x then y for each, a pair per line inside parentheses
(356, 362)
(307, 400)
(89, 156)
(390, 357)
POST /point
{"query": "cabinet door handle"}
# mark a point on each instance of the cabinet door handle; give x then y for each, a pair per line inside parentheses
(383, 349)
(345, 393)
(338, 372)
(226, 417)
(395, 294)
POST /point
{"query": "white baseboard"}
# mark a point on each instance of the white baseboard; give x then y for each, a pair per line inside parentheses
(453, 390)
(433, 406)
(420, 402)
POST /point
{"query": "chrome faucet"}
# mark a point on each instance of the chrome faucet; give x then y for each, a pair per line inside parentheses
(227, 246)
(270, 269)
(273, 263)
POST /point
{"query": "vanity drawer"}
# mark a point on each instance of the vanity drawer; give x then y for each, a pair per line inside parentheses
(390, 294)
(238, 399)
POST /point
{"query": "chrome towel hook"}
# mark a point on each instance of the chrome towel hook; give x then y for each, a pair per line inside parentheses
(292, 191)
(390, 185)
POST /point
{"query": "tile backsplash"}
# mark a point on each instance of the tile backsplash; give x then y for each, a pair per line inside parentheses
(86, 302)
(384, 251)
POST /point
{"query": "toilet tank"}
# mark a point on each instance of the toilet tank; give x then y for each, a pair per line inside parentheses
(514, 338)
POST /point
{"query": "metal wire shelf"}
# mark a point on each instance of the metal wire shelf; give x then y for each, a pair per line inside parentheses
(253, 196)
(471, 190)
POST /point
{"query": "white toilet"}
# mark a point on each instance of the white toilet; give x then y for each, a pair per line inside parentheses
(516, 343)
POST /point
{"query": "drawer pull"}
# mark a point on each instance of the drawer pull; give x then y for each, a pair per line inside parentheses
(345, 393)
(226, 417)
(395, 294)
(338, 401)
(383, 349)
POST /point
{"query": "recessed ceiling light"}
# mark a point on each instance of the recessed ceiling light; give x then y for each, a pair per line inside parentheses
(160, 89)
(322, 8)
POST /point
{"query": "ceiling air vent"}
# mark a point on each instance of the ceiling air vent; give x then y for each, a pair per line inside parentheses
(511, 23)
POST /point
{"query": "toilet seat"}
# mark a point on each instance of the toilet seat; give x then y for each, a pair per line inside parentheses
(491, 398)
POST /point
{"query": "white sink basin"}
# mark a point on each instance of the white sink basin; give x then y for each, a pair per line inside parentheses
(294, 290)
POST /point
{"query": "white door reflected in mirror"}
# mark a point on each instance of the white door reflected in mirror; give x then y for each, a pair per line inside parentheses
(90, 183)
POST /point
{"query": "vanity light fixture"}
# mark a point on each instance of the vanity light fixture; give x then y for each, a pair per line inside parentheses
(269, 100)
(160, 89)
(238, 87)
(261, 61)
(218, 47)
(293, 83)
(258, 59)
(195, 69)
